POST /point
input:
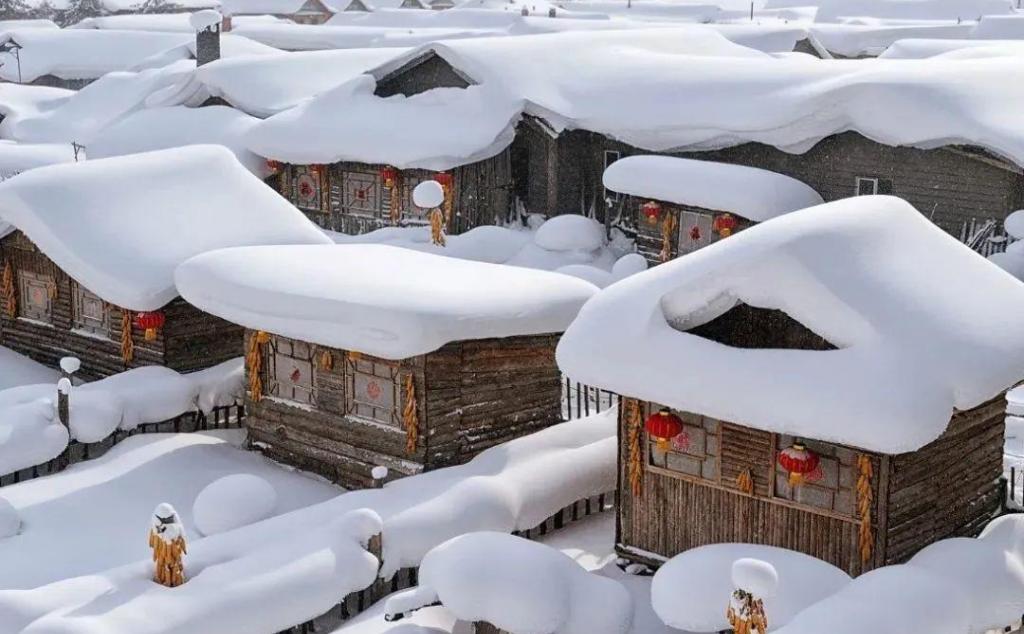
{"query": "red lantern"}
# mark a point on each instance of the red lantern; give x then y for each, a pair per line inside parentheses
(651, 211)
(444, 179)
(150, 322)
(663, 426)
(799, 462)
(695, 233)
(724, 225)
(273, 166)
(389, 176)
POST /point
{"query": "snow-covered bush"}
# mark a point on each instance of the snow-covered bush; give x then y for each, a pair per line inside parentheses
(10, 521)
(570, 233)
(520, 586)
(428, 194)
(233, 501)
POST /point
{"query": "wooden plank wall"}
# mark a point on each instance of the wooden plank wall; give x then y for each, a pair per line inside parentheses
(193, 339)
(950, 487)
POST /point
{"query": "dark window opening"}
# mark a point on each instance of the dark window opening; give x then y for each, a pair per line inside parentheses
(745, 326)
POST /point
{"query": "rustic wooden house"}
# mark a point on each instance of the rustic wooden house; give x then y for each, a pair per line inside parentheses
(298, 11)
(780, 390)
(680, 205)
(408, 360)
(89, 256)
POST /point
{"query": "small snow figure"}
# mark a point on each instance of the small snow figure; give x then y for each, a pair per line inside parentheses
(167, 539)
(754, 580)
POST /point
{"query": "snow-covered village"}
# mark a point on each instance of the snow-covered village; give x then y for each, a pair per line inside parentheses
(511, 316)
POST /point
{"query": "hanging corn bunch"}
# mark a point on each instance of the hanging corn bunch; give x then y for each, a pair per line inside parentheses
(745, 482)
(326, 361)
(668, 228)
(51, 289)
(390, 177)
(127, 344)
(865, 500)
(254, 363)
(10, 297)
(437, 227)
(746, 613)
(635, 425)
(447, 182)
(410, 416)
(167, 540)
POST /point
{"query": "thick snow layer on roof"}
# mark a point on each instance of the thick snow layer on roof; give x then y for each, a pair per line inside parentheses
(690, 591)
(81, 53)
(931, 317)
(999, 27)
(138, 217)
(922, 48)
(261, 7)
(11, 25)
(162, 128)
(262, 86)
(750, 192)
(519, 585)
(380, 300)
(917, 10)
(306, 37)
(855, 40)
(16, 158)
(173, 22)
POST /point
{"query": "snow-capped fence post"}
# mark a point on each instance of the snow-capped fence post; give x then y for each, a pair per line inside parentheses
(68, 366)
(379, 474)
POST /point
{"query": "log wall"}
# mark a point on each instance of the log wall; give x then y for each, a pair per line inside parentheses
(470, 396)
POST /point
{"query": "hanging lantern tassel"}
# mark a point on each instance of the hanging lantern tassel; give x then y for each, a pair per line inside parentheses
(746, 614)
(865, 500)
(10, 297)
(668, 227)
(410, 415)
(437, 227)
(745, 482)
(635, 426)
(326, 361)
(254, 363)
(127, 344)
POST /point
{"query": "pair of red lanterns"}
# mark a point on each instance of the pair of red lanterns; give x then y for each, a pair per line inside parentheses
(797, 460)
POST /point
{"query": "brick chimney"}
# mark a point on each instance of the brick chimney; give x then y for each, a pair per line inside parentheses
(207, 24)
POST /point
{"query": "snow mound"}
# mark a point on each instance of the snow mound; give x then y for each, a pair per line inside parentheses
(236, 500)
(598, 277)
(523, 586)
(428, 194)
(10, 521)
(570, 232)
(202, 20)
(207, 200)
(691, 591)
(1014, 224)
(629, 264)
(391, 303)
(831, 268)
(753, 193)
(1012, 263)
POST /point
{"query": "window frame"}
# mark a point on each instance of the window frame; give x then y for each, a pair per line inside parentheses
(81, 322)
(47, 282)
(298, 352)
(348, 176)
(387, 371)
(298, 173)
(866, 179)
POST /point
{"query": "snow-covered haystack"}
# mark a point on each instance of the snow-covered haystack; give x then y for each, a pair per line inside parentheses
(753, 193)
(692, 590)
(207, 200)
(232, 501)
(832, 268)
(521, 587)
(570, 244)
(10, 521)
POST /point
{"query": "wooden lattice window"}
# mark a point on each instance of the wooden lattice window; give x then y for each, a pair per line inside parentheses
(410, 212)
(290, 371)
(307, 188)
(694, 231)
(90, 312)
(832, 486)
(361, 194)
(694, 452)
(34, 294)
(373, 390)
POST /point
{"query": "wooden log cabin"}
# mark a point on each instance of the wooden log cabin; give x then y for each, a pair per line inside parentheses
(680, 205)
(779, 391)
(88, 262)
(409, 361)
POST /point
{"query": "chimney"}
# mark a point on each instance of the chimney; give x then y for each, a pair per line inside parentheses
(207, 24)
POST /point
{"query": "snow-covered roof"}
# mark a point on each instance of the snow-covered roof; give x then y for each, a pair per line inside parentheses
(135, 218)
(658, 90)
(161, 128)
(753, 193)
(79, 53)
(262, 86)
(16, 158)
(999, 27)
(855, 40)
(10, 25)
(272, 7)
(922, 48)
(173, 22)
(922, 324)
(380, 300)
(310, 37)
(897, 10)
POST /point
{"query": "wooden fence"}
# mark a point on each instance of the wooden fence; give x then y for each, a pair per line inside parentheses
(226, 417)
(356, 602)
(580, 400)
(985, 235)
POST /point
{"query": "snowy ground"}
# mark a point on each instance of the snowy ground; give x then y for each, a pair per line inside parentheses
(591, 542)
(95, 515)
(16, 369)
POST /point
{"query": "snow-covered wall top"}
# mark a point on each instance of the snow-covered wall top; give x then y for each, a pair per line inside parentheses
(659, 90)
(922, 324)
(120, 226)
(79, 53)
(380, 300)
(750, 192)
